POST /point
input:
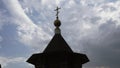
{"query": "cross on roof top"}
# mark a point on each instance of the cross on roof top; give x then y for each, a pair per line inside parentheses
(57, 10)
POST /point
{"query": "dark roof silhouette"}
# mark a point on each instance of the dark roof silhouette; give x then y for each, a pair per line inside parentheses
(57, 52)
(57, 44)
(40, 58)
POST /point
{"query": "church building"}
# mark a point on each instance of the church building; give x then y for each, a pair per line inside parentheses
(58, 54)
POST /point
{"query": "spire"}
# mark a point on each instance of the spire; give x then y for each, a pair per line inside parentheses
(57, 44)
(57, 22)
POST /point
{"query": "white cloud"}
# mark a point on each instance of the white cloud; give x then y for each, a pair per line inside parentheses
(29, 33)
(32, 36)
(4, 61)
(3, 17)
(49, 2)
(84, 17)
(79, 15)
(89, 24)
(109, 10)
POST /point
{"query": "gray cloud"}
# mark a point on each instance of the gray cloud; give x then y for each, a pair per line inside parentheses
(104, 50)
(90, 27)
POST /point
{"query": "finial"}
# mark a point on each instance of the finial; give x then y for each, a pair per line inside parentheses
(57, 10)
(57, 22)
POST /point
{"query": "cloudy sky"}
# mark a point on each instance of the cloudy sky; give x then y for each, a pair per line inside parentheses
(91, 27)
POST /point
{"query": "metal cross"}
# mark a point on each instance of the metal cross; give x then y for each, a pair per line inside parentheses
(57, 10)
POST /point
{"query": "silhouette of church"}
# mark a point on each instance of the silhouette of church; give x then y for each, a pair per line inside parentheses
(58, 54)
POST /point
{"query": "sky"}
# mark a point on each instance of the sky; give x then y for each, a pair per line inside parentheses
(91, 27)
